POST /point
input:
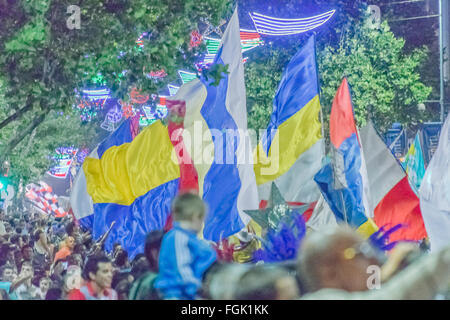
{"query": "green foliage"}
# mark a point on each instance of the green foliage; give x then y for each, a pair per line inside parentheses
(386, 84)
(384, 80)
(42, 61)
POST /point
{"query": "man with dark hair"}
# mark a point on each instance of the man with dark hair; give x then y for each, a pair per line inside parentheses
(142, 288)
(26, 291)
(27, 253)
(98, 273)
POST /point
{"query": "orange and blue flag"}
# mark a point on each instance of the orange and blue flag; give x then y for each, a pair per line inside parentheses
(341, 181)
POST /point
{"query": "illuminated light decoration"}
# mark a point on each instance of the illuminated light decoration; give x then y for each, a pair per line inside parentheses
(157, 74)
(250, 39)
(63, 158)
(172, 89)
(137, 97)
(196, 39)
(43, 198)
(187, 76)
(108, 125)
(127, 110)
(97, 94)
(81, 155)
(114, 115)
(280, 27)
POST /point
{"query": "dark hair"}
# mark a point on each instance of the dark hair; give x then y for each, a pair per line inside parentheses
(118, 277)
(139, 267)
(121, 258)
(92, 263)
(15, 239)
(54, 294)
(26, 246)
(152, 244)
(37, 235)
(70, 228)
(18, 230)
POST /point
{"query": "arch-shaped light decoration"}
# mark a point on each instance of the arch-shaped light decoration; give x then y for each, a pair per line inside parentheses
(281, 27)
(97, 94)
(187, 76)
(172, 89)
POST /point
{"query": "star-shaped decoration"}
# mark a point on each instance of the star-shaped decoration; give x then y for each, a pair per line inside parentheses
(277, 209)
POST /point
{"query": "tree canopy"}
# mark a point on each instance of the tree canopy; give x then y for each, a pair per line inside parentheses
(44, 58)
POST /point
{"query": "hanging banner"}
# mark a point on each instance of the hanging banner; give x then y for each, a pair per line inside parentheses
(396, 139)
(431, 132)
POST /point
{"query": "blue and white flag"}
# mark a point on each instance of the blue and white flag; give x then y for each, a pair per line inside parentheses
(435, 193)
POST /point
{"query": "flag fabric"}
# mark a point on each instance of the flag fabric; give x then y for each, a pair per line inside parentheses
(129, 181)
(392, 198)
(291, 151)
(322, 217)
(341, 181)
(435, 193)
(415, 164)
(217, 141)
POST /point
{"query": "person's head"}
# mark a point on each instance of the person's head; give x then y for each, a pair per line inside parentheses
(27, 252)
(152, 247)
(59, 267)
(8, 273)
(267, 282)
(121, 283)
(38, 234)
(336, 258)
(99, 270)
(26, 269)
(116, 248)
(189, 208)
(139, 266)
(221, 280)
(44, 284)
(121, 260)
(72, 228)
(69, 242)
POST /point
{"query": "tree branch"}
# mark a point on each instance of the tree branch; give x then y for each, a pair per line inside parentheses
(17, 139)
(17, 115)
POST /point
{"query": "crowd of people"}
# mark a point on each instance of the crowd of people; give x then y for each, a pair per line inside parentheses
(48, 258)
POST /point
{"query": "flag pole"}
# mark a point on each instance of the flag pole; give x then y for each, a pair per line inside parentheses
(318, 86)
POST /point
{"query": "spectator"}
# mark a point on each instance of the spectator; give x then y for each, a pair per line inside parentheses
(98, 273)
(44, 286)
(66, 248)
(26, 291)
(184, 258)
(335, 264)
(267, 282)
(27, 253)
(143, 287)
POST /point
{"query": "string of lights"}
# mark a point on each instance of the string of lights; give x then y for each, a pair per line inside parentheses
(280, 26)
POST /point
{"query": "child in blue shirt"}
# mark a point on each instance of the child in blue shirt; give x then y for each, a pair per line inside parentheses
(184, 258)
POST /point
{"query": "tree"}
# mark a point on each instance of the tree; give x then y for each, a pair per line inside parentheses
(42, 60)
(385, 80)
